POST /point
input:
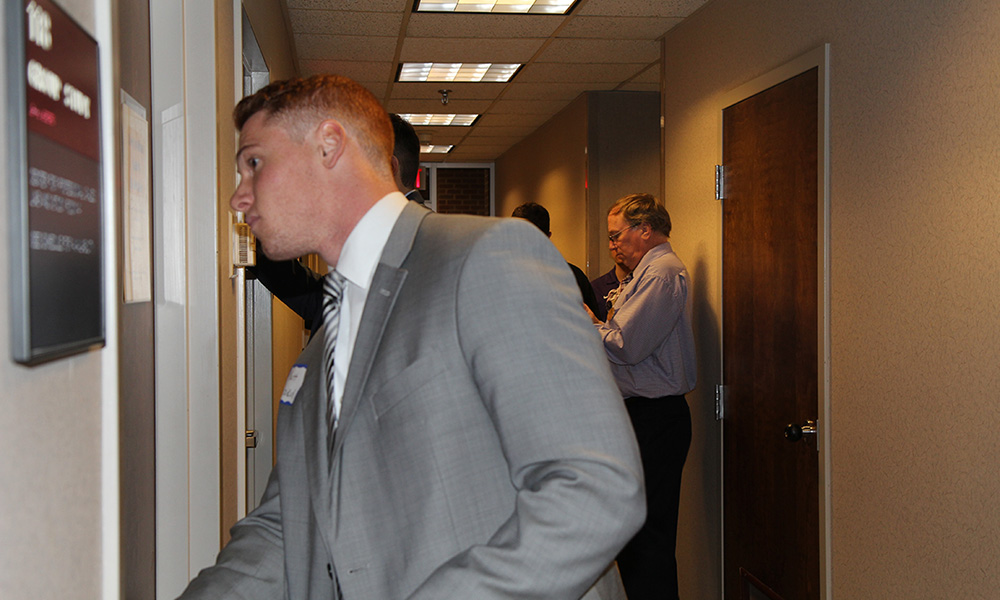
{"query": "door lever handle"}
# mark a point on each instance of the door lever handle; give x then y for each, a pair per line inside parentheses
(794, 433)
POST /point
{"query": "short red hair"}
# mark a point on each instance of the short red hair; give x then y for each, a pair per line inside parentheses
(303, 103)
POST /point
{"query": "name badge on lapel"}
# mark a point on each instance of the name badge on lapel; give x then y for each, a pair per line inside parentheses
(295, 378)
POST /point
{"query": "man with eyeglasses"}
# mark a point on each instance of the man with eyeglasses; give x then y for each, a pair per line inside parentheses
(648, 339)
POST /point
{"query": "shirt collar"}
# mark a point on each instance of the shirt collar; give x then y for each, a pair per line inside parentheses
(654, 252)
(363, 248)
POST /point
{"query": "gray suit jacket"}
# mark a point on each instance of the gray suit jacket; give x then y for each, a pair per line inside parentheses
(482, 450)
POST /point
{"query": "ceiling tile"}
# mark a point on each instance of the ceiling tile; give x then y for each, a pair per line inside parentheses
(434, 106)
(529, 107)
(487, 130)
(572, 73)
(650, 75)
(639, 8)
(610, 28)
(497, 50)
(352, 5)
(499, 140)
(633, 86)
(344, 23)
(476, 153)
(481, 26)
(376, 88)
(601, 45)
(344, 47)
(601, 51)
(482, 149)
(442, 135)
(459, 91)
(555, 91)
(360, 71)
(493, 120)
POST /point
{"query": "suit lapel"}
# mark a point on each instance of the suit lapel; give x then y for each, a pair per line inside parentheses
(386, 283)
(312, 409)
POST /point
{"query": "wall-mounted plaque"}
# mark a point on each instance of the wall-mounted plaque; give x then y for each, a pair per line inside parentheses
(57, 303)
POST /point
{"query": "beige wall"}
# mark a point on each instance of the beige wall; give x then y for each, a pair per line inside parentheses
(50, 441)
(914, 276)
(603, 145)
(623, 149)
(549, 167)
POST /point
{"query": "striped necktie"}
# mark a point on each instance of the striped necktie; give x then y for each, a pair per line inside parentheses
(333, 289)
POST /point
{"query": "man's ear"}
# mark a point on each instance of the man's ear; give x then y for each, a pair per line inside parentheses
(332, 141)
(394, 163)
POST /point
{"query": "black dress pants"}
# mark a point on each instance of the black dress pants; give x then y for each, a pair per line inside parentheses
(663, 429)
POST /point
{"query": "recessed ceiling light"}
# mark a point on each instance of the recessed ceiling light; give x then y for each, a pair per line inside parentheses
(443, 120)
(550, 7)
(461, 72)
(433, 149)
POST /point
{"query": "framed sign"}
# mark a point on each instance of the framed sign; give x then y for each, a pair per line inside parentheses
(56, 220)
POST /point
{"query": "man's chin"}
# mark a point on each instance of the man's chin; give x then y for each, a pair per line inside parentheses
(275, 254)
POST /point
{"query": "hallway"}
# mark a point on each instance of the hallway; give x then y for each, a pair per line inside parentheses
(133, 455)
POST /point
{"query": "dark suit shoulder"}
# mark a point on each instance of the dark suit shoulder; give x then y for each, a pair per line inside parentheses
(290, 281)
(586, 290)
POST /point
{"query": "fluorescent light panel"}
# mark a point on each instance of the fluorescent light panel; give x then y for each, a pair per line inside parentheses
(432, 149)
(545, 7)
(461, 72)
(443, 120)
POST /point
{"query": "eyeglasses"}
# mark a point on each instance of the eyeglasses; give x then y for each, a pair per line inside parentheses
(613, 237)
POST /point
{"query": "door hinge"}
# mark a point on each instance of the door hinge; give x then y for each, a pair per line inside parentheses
(251, 439)
(720, 182)
(721, 391)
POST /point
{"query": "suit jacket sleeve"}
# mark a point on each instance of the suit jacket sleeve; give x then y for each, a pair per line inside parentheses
(252, 564)
(294, 284)
(543, 376)
(586, 290)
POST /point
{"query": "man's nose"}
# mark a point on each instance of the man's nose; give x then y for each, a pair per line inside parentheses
(242, 198)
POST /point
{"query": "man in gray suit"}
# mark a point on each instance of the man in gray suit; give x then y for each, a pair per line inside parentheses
(299, 287)
(472, 443)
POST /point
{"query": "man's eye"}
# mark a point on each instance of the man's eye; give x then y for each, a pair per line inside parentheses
(253, 162)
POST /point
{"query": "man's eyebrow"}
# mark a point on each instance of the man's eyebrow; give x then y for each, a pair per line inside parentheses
(239, 152)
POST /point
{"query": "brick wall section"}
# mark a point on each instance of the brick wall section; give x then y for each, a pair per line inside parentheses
(464, 191)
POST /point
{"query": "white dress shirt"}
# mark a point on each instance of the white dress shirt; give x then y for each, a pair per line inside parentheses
(358, 259)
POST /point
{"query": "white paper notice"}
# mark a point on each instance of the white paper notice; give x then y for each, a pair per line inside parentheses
(138, 268)
(174, 232)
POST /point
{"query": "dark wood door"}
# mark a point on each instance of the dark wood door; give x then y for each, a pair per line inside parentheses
(770, 316)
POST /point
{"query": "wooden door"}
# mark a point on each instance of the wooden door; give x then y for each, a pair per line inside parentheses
(770, 343)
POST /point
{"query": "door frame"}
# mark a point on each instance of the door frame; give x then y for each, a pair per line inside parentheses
(817, 58)
(257, 407)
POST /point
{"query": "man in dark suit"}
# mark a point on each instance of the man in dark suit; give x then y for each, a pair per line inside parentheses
(537, 214)
(435, 439)
(606, 287)
(406, 158)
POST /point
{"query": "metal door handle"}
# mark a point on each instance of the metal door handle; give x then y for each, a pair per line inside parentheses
(794, 433)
